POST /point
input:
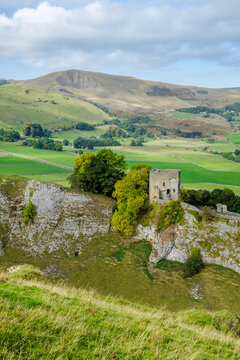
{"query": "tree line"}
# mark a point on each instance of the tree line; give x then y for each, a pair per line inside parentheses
(201, 198)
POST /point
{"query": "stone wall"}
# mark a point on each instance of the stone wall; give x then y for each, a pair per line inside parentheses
(164, 185)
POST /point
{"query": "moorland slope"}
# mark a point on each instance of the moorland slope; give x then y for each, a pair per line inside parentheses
(129, 93)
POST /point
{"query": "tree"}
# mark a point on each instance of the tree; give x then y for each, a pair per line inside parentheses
(193, 264)
(132, 197)
(84, 126)
(98, 173)
(65, 142)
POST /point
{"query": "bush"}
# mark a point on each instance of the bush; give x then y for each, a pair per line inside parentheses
(170, 213)
(193, 264)
(29, 213)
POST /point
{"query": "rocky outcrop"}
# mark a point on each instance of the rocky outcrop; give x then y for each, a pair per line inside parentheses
(67, 219)
(64, 220)
(218, 240)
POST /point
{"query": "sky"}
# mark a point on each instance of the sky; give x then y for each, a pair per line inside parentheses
(191, 42)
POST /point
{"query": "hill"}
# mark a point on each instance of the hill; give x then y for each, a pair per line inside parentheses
(44, 321)
(67, 97)
(126, 93)
(124, 96)
(51, 110)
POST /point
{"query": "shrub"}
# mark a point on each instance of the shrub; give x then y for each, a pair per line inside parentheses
(170, 213)
(29, 213)
(193, 264)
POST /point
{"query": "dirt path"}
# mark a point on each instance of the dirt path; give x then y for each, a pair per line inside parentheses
(36, 159)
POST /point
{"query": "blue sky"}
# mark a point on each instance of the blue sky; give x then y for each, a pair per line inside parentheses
(192, 42)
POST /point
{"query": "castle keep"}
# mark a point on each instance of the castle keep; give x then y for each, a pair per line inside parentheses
(164, 185)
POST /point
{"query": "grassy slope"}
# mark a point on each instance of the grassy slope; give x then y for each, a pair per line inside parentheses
(114, 266)
(42, 321)
(18, 108)
(127, 94)
(123, 89)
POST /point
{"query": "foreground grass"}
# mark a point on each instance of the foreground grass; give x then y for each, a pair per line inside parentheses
(42, 321)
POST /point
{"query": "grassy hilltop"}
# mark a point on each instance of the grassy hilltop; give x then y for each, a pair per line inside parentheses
(44, 321)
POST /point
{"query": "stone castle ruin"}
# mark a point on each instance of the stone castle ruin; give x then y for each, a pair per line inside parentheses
(164, 185)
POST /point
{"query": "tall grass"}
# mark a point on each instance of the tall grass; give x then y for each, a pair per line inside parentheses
(43, 321)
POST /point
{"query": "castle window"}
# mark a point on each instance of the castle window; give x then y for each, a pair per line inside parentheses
(164, 184)
(168, 191)
(173, 190)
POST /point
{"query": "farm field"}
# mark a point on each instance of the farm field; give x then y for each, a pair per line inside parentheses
(61, 158)
(234, 138)
(10, 165)
(210, 187)
(197, 166)
(191, 173)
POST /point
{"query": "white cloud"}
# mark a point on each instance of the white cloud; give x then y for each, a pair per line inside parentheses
(144, 33)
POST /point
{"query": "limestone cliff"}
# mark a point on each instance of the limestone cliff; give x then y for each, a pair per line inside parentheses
(218, 239)
(67, 219)
(64, 218)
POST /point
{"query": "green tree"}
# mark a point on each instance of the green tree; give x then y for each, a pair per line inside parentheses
(98, 173)
(132, 197)
(65, 142)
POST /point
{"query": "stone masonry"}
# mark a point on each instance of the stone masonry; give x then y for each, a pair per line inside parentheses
(164, 185)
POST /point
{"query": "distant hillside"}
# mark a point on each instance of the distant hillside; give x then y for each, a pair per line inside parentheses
(124, 96)
(95, 97)
(34, 105)
(128, 93)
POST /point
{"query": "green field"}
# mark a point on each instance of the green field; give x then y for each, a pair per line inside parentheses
(234, 138)
(210, 187)
(10, 165)
(191, 173)
(197, 166)
(58, 157)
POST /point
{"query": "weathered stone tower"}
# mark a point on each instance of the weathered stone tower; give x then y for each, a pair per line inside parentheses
(164, 185)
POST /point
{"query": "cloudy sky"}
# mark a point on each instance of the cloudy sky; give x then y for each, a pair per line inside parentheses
(178, 41)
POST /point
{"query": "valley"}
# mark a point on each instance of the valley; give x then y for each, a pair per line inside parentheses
(71, 239)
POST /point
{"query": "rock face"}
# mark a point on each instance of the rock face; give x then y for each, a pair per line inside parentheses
(67, 219)
(218, 240)
(64, 218)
